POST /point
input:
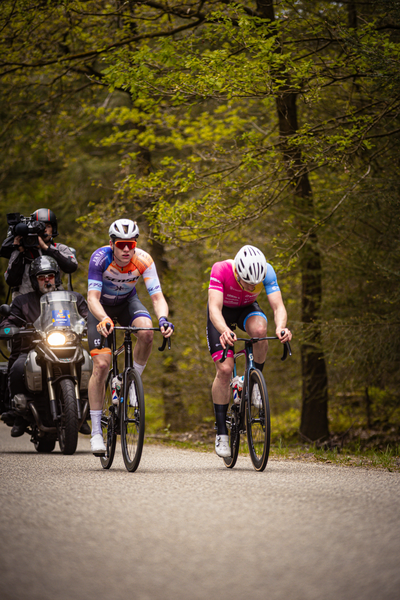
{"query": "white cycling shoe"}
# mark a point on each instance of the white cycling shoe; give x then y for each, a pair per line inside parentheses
(132, 396)
(97, 444)
(256, 399)
(222, 446)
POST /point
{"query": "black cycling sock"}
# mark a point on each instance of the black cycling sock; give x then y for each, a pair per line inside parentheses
(259, 366)
(220, 417)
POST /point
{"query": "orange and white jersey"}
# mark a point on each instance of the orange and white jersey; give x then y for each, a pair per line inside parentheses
(117, 284)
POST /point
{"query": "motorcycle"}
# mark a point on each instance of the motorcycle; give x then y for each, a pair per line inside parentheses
(57, 372)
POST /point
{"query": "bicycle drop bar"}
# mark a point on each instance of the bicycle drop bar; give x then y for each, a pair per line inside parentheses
(286, 349)
(162, 347)
(134, 329)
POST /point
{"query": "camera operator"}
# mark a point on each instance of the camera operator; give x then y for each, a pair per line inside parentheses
(29, 239)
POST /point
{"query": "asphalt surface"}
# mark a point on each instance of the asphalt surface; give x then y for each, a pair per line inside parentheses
(184, 527)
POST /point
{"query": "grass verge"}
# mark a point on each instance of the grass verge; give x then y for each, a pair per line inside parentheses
(353, 455)
(353, 445)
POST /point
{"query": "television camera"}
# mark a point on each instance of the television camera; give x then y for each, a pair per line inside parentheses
(27, 228)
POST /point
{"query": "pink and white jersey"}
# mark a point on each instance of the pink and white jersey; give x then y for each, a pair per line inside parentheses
(224, 279)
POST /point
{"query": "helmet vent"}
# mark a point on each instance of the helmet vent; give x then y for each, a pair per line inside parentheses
(251, 265)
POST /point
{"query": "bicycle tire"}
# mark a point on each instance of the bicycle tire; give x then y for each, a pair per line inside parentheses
(258, 423)
(108, 426)
(234, 436)
(132, 421)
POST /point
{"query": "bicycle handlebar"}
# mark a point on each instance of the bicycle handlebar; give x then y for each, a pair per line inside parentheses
(162, 347)
(134, 329)
(286, 349)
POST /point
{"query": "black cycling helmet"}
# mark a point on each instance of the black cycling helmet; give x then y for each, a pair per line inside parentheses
(42, 265)
(47, 216)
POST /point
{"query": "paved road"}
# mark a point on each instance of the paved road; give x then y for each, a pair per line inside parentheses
(183, 527)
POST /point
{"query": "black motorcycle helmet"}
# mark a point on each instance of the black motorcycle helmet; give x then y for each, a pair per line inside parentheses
(42, 265)
(47, 216)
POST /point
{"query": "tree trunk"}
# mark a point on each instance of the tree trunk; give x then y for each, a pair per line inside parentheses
(175, 414)
(314, 416)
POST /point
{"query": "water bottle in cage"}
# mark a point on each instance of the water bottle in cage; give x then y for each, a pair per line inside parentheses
(237, 386)
(116, 388)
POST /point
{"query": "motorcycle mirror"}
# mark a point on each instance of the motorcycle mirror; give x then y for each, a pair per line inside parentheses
(5, 310)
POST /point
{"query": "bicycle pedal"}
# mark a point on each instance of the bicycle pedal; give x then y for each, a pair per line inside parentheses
(99, 454)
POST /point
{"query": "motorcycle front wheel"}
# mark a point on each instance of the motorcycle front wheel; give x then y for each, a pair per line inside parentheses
(68, 425)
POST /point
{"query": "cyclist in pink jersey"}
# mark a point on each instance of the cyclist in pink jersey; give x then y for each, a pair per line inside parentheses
(232, 301)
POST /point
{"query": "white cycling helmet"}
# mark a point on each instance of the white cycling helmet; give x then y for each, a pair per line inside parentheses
(123, 229)
(251, 265)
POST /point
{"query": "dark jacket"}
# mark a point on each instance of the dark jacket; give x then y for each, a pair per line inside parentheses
(17, 274)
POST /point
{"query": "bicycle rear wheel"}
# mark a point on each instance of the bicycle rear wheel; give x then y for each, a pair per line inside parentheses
(258, 422)
(232, 421)
(108, 426)
(132, 420)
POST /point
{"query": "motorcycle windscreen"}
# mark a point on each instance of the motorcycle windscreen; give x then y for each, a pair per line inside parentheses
(58, 310)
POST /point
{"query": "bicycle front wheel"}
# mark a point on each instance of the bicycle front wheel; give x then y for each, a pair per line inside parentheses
(258, 420)
(132, 420)
(108, 426)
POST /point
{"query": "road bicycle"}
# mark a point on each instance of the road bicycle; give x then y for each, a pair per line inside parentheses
(126, 415)
(243, 415)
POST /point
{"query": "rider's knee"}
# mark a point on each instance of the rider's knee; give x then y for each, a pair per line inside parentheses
(146, 337)
(224, 372)
(258, 330)
(101, 366)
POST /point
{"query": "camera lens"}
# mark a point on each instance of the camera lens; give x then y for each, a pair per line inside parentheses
(21, 229)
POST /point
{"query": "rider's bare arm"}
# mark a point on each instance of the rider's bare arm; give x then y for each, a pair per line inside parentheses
(215, 305)
(161, 310)
(160, 305)
(280, 316)
(95, 306)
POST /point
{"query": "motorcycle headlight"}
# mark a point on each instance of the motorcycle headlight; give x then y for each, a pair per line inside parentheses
(56, 339)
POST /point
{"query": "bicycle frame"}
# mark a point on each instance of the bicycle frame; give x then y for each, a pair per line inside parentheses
(125, 418)
(126, 346)
(247, 351)
(243, 417)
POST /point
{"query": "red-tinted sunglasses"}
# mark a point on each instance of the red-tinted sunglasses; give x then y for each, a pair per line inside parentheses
(44, 277)
(122, 243)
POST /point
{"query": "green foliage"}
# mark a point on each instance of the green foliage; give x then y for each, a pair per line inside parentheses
(169, 114)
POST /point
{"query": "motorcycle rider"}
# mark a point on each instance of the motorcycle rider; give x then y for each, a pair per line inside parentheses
(17, 273)
(44, 274)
